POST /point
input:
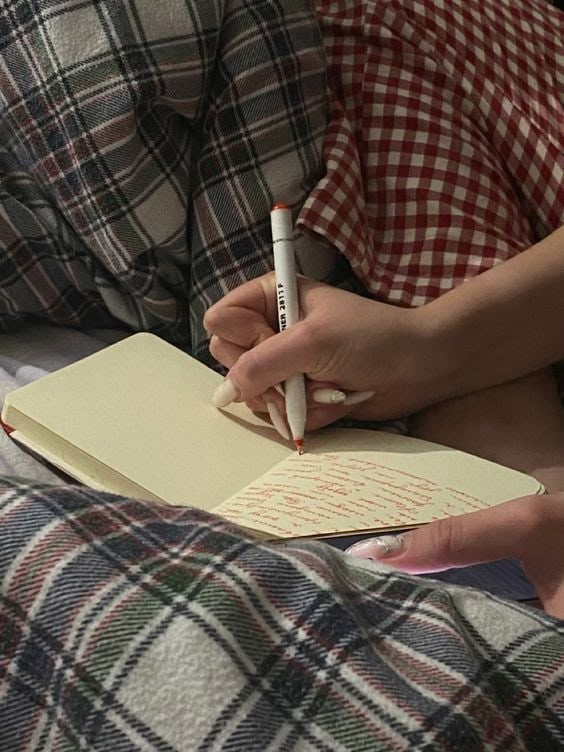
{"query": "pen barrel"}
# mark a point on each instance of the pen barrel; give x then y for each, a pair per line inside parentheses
(288, 311)
(285, 268)
(296, 406)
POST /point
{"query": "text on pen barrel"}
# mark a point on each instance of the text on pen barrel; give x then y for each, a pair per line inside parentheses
(281, 306)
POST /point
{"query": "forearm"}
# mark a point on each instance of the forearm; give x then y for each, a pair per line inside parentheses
(507, 322)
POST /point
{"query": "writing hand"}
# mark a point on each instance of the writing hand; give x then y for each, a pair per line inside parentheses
(342, 340)
(530, 529)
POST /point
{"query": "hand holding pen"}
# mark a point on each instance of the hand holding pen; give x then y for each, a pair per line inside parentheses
(361, 358)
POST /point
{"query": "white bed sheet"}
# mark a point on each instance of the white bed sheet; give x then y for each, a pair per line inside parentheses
(27, 355)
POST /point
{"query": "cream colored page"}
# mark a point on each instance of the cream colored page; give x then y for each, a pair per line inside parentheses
(143, 409)
(331, 493)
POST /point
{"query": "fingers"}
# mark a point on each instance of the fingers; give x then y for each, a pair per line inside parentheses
(240, 323)
(328, 403)
(271, 362)
(317, 416)
(273, 404)
(246, 315)
(225, 352)
(324, 415)
(500, 532)
(329, 394)
(240, 326)
(276, 358)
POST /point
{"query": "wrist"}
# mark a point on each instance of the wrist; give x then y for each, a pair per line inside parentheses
(437, 363)
(503, 324)
(475, 337)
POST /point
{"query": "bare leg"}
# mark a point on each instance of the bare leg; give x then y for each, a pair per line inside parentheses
(519, 424)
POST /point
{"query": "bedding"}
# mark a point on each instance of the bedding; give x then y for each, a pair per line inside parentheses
(27, 355)
(125, 203)
(133, 626)
(141, 151)
(137, 627)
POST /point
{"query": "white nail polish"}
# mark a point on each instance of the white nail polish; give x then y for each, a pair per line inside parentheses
(224, 394)
(277, 420)
(329, 396)
(377, 548)
(354, 398)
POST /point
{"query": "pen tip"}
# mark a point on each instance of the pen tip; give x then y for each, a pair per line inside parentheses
(279, 205)
(299, 445)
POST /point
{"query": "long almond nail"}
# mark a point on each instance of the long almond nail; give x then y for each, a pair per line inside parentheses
(278, 420)
(377, 548)
(354, 398)
(329, 396)
(224, 394)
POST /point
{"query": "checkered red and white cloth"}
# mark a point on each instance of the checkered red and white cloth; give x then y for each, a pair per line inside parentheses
(445, 154)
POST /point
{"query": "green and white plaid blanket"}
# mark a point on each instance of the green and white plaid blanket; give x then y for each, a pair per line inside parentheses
(142, 145)
(131, 627)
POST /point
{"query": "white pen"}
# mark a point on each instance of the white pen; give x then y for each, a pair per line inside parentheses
(288, 313)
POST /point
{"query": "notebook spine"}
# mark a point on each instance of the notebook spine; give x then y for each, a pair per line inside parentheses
(7, 427)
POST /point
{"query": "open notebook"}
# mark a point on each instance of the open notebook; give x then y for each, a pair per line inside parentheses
(136, 419)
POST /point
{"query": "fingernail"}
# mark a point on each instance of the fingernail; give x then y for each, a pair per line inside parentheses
(279, 389)
(355, 397)
(224, 394)
(277, 420)
(329, 396)
(378, 548)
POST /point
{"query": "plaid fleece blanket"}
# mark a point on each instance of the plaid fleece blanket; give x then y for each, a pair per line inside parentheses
(142, 145)
(132, 627)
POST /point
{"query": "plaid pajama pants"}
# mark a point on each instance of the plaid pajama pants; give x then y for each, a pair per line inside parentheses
(141, 149)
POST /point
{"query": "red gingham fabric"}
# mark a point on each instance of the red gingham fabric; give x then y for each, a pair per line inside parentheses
(445, 153)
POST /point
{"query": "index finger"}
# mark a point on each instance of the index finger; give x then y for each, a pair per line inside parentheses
(247, 315)
(504, 531)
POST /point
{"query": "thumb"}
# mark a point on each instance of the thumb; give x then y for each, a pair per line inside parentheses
(500, 532)
(271, 362)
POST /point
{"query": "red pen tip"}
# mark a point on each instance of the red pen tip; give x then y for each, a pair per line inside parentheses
(279, 205)
(299, 443)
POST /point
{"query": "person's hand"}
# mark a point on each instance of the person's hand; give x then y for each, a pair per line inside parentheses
(530, 529)
(344, 343)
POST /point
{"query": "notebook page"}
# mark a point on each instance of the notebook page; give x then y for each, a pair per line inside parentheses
(331, 493)
(141, 410)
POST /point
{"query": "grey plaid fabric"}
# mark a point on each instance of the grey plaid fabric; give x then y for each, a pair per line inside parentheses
(130, 627)
(142, 145)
